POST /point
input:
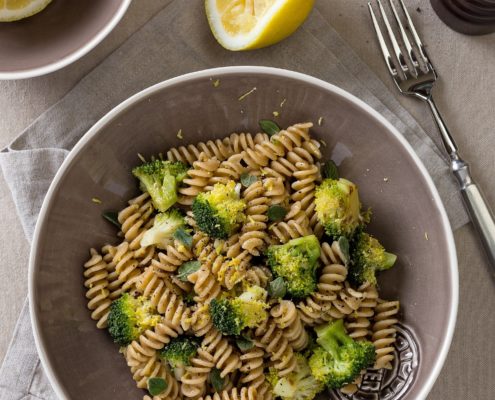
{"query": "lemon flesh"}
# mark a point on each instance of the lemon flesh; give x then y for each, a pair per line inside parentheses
(252, 24)
(14, 10)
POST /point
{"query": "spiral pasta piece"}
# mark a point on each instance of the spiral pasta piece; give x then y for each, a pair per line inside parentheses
(319, 307)
(265, 391)
(278, 145)
(163, 299)
(358, 324)
(252, 366)
(228, 170)
(114, 285)
(196, 374)
(295, 225)
(136, 218)
(173, 256)
(218, 148)
(243, 141)
(272, 339)
(384, 332)
(125, 270)
(225, 357)
(288, 320)
(145, 347)
(253, 233)
(244, 393)
(275, 190)
(95, 274)
(153, 367)
(259, 276)
(197, 178)
(306, 178)
(205, 283)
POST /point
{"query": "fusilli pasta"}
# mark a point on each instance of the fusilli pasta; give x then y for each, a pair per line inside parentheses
(219, 302)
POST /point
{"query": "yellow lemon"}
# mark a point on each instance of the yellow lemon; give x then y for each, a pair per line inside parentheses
(252, 24)
(13, 10)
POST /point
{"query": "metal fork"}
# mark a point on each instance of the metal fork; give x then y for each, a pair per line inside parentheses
(414, 75)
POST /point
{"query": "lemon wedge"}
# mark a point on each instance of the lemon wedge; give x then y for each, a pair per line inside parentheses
(13, 10)
(252, 24)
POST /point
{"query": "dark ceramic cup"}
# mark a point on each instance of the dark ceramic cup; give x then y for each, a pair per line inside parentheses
(472, 17)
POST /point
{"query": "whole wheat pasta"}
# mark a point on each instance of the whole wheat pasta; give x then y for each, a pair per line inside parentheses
(248, 263)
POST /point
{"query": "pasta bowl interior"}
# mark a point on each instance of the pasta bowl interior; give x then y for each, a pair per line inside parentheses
(408, 217)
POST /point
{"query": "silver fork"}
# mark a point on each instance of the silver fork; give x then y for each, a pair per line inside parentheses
(414, 75)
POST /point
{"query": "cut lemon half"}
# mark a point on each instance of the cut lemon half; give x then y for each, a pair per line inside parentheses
(252, 24)
(14, 10)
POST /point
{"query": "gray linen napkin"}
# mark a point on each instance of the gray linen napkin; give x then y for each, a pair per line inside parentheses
(176, 41)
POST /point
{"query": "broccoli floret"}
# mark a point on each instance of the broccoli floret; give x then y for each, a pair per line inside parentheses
(338, 360)
(220, 211)
(338, 207)
(231, 315)
(159, 178)
(164, 227)
(129, 317)
(298, 385)
(296, 262)
(179, 351)
(368, 257)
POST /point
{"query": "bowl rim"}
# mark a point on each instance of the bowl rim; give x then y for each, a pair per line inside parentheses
(219, 72)
(75, 55)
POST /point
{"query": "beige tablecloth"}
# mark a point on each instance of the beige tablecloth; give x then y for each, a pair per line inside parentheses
(465, 94)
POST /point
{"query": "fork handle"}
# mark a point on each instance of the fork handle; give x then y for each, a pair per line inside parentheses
(477, 206)
(474, 200)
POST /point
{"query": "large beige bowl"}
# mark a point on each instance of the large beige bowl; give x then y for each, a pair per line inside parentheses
(60, 34)
(83, 363)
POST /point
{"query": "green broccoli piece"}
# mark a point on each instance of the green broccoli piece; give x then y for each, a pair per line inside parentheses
(296, 262)
(368, 257)
(338, 360)
(231, 315)
(129, 317)
(160, 178)
(164, 227)
(179, 351)
(220, 211)
(338, 208)
(298, 385)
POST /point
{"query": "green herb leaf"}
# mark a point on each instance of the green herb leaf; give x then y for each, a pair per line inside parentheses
(112, 217)
(189, 299)
(183, 236)
(247, 180)
(269, 127)
(216, 380)
(156, 386)
(276, 213)
(329, 170)
(277, 288)
(244, 343)
(187, 268)
(344, 248)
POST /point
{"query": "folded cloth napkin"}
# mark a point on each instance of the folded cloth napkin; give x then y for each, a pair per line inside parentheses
(176, 41)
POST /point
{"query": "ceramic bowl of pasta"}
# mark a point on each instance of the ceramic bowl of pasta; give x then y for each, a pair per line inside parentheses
(61, 33)
(243, 233)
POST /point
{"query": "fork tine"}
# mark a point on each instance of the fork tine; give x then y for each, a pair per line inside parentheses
(415, 35)
(383, 45)
(405, 38)
(393, 39)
